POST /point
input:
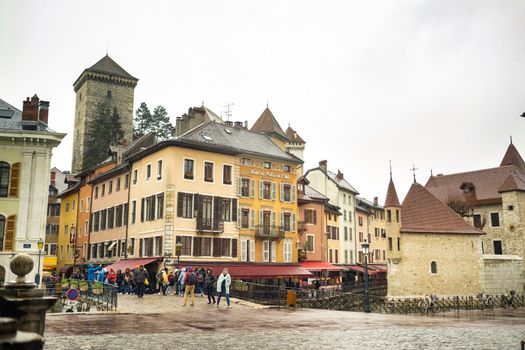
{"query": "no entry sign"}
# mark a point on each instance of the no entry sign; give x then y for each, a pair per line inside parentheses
(72, 294)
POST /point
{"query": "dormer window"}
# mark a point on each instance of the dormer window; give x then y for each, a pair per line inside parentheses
(467, 187)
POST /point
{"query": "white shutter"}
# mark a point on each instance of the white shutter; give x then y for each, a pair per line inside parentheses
(252, 188)
(244, 250)
(285, 248)
(260, 217)
(261, 189)
(274, 190)
(281, 220)
(293, 194)
(274, 224)
(292, 225)
(252, 218)
(252, 250)
(281, 192)
(266, 251)
(273, 251)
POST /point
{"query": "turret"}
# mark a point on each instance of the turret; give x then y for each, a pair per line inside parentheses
(393, 223)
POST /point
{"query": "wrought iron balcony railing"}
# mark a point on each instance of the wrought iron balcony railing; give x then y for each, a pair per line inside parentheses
(269, 231)
(210, 225)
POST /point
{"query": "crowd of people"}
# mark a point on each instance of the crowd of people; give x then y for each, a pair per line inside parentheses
(185, 282)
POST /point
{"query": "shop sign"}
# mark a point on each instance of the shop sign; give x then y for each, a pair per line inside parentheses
(266, 173)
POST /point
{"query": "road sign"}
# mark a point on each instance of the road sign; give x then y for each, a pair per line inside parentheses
(72, 294)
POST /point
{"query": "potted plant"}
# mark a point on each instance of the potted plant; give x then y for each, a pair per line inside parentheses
(97, 288)
(64, 282)
(84, 285)
(73, 283)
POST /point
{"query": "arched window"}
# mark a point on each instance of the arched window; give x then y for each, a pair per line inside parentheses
(433, 267)
(4, 179)
(2, 232)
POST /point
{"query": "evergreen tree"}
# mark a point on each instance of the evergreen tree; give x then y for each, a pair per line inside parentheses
(102, 131)
(158, 122)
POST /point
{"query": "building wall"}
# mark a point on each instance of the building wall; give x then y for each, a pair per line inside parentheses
(88, 95)
(492, 233)
(316, 230)
(171, 226)
(379, 240)
(514, 223)
(68, 218)
(362, 233)
(501, 274)
(459, 265)
(333, 245)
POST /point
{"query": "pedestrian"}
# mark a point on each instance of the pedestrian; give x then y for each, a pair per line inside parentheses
(210, 286)
(223, 287)
(120, 280)
(112, 277)
(91, 272)
(126, 281)
(182, 277)
(189, 281)
(164, 280)
(201, 276)
(141, 277)
(171, 282)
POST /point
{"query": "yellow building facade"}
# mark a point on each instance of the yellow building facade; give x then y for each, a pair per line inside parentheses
(67, 226)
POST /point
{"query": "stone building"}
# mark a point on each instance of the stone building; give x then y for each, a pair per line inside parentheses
(295, 145)
(105, 80)
(26, 143)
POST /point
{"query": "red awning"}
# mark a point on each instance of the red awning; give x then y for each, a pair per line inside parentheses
(361, 269)
(379, 268)
(321, 266)
(129, 264)
(257, 271)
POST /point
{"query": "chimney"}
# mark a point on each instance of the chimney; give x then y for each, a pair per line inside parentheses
(322, 165)
(30, 109)
(43, 111)
(376, 201)
(228, 123)
(339, 174)
(238, 124)
(246, 124)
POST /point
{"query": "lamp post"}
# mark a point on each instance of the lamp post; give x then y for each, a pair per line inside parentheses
(40, 245)
(73, 239)
(366, 304)
(178, 251)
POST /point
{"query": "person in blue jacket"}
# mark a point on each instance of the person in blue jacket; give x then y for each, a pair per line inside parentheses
(91, 272)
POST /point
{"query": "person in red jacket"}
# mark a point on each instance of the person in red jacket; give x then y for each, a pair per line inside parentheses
(112, 277)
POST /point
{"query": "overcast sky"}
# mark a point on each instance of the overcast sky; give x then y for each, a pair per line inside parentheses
(437, 83)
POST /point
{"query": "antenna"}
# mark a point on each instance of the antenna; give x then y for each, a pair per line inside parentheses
(107, 50)
(390, 163)
(228, 112)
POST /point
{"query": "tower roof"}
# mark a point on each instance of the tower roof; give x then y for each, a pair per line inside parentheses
(391, 200)
(293, 136)
(513, 157)
(268, 124)
(514, 182)
(421, 212)
(107, 65)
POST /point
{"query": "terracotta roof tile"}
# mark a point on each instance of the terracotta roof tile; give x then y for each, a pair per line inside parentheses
(391, 200)
(293, 136)
(514, 182)
(421, 212)
(513, 157)
(108, 66)
(267, 123)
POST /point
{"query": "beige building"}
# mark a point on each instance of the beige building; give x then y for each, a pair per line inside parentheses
(370, 226)
(104, 81)
(431, 250)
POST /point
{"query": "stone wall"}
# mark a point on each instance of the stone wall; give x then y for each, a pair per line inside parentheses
(502, 273)
(492, 233)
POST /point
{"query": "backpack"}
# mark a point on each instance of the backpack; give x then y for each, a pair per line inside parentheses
(200, 278)
(192, 279)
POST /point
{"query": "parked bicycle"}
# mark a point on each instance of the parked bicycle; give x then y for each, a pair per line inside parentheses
(508, 301)
(429, 303)
(485, 301)
(390, 305)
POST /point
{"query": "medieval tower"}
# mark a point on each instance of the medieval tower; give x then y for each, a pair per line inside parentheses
(105, 80)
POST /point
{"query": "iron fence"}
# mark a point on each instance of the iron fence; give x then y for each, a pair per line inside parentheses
(91, 296)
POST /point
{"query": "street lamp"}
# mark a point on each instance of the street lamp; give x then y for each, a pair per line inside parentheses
(73, 239)
(366, 304)
(178, 251)
(40, 245)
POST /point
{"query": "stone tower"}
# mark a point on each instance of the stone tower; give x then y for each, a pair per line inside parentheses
(104, 80)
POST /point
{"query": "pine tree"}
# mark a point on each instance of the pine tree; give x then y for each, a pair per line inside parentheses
(102, 131)
(158, 122)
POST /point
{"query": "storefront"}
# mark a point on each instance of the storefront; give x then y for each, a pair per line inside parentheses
(326, 273)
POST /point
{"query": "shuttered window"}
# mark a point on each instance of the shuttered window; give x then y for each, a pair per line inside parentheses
(15, 180)
(9, 236)
(2, 232)
(4, 179)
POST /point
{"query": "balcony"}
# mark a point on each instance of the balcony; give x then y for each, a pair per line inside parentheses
(271, 232)
(301, 226)
(209, 225)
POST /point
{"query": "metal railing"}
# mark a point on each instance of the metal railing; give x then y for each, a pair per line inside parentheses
(92, 295)
(209, 224)
(269, 231)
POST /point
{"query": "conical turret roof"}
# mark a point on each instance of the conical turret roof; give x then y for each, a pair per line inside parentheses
(268, 124)
(392, 200)
(107, 65)
(513, 157)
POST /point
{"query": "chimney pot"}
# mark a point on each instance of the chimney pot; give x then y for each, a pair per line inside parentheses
(238, 124)
(30, 109)
(322, 165)
(376, 201)
(43, 111)
(339, 174)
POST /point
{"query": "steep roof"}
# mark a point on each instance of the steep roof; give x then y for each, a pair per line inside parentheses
(108, 66)
(421, 212)
(486, 182)
(341, 182)
(268, 124)
(514, 182)
(293, 136)
(391, 200)
(311, 194)
(513, 157)
(236, 139)
(10, 116)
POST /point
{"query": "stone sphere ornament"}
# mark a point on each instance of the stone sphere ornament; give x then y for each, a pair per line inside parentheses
(21, 265)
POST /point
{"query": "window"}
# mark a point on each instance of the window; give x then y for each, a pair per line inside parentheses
(206, 247)
(126, 181)
(135, 176)
(245, 187)
(273, 251)
(2, 232)
(185, 202)
(477, 220)
(158, 246)
(397, 215)
(310, 216)
(208, 172)
(267, 165)
(346, 234)
(226, 209)
(510, 207)
(390, 247)
(494, 219)
(148, 172)
(344, 198)
(86, 229)
(227, 174)
(310, 243)
(118, 184)
(344, 215)
(286, 221)
(346, 256)
(108, 94)
(110, 190)
(330, 256)
(389, 215)
(67, 207)
(266, 190)
(103, 216)
(4, 179)
(336, 254)
(498, 249)
(118, 215)
(147, 247)
(133, 211)
(360, 220)
(111, 217)
(88, 204)
(251, 253)
(433, 267)
(398, 243)
(81, 206)
(287, 168)
(103, 189)
(96, 192)
(287, 251)
(245, 218)
(245, 161)
(159, 169)
(287, 192)
(266, 251)
(189, 169)
(160, 205)
(244, 250)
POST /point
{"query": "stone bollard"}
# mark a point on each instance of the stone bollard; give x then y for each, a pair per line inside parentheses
(22, 301)
(11, 339)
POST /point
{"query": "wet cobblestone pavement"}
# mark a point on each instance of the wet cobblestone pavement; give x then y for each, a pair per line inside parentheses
(162, 323)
